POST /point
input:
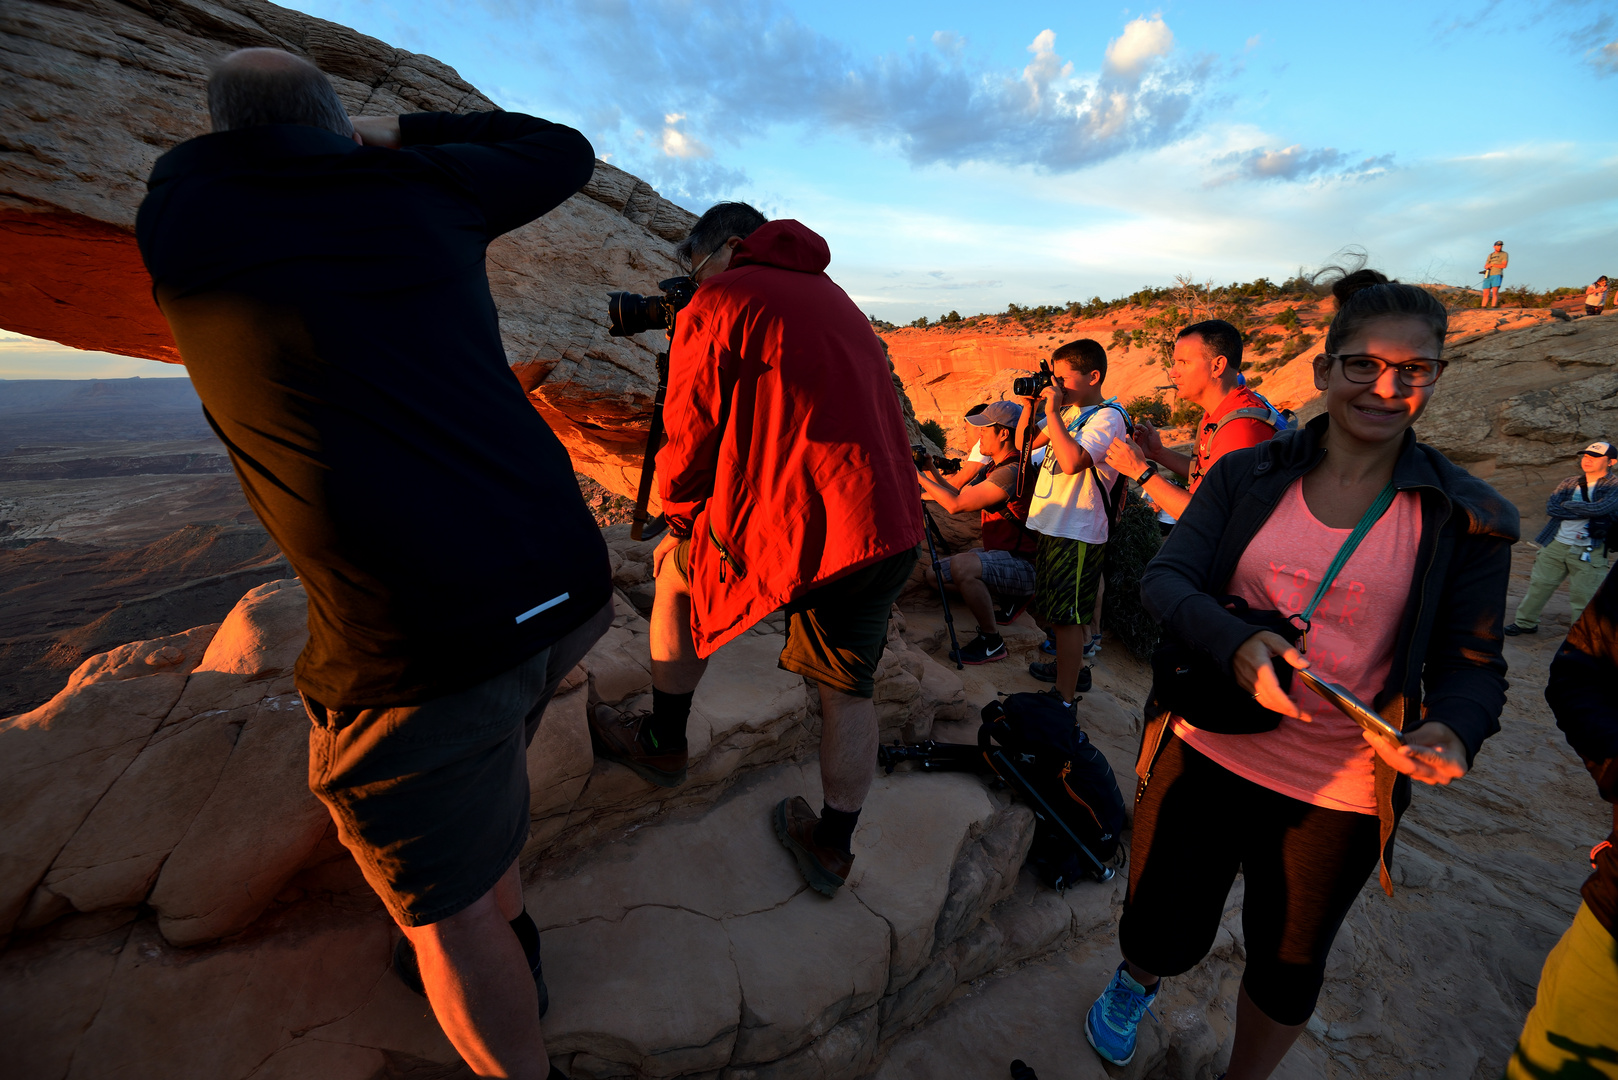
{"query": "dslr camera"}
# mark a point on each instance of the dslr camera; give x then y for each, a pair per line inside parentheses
(924, 460)
(630, 313)
(1031, 385)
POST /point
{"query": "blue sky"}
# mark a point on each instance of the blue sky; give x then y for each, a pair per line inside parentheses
(967, 155)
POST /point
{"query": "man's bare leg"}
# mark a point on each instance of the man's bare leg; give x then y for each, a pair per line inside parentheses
(967, 571)
(848, 742)
(676, 668)
(479, 985)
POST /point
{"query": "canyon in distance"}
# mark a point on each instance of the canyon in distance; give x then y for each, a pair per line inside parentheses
(174, 903)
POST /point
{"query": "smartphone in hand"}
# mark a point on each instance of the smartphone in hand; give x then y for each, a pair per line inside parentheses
(1351, 706)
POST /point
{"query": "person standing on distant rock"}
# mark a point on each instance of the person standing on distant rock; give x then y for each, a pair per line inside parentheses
(1004, 566)
(1207, 364)
(1572, 1030)
(787, 479)
(325, 282)
(1494, 269)
(1574, 542)
(1396, 562)
(1595, 297)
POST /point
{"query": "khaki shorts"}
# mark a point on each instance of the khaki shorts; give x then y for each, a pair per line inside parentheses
(836, 633)
(432, 799)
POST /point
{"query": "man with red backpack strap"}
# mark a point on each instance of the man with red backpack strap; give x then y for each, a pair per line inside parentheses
(1207, 373)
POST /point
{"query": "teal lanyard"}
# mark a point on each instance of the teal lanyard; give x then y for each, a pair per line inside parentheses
(1373, 514)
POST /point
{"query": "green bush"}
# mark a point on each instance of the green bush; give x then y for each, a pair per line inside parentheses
(934, 431)
(1287, 319)
(921, 323)
(1185, 414)
(1133, 543)
(1154, 409)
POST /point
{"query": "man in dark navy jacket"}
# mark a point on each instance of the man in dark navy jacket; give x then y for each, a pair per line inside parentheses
(325, 282)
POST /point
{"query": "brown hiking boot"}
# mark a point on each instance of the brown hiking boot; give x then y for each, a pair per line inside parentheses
(824, 869)
(618, 737)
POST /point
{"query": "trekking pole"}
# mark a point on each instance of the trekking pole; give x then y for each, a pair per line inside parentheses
(938, 572)
(1101, 872)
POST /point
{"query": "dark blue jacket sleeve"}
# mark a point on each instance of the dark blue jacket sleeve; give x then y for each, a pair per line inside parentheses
(517, 167)
(1583, 686)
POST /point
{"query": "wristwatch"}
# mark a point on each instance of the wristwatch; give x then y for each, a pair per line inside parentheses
(1149, 472)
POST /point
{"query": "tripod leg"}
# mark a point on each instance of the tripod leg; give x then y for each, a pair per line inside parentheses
(943, 594)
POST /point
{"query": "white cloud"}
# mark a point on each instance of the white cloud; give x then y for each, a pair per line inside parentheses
(678, 144)
(1142, 41)
(1605, 59)
(1297, 163)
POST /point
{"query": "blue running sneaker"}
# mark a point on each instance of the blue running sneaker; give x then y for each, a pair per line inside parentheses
(1111, 1023)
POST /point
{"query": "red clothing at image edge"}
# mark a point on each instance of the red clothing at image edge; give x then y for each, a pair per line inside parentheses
(1237, 435)
(787, 461)
(1325, 761)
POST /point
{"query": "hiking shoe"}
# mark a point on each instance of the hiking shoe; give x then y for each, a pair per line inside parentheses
(1111, 1023)
(621, 737)
(983, 649)
(824, 869)
(1047, 673)
(1007, 613)
(1094, 647)
(1048, 646)
(409, 969)
(1512, 630)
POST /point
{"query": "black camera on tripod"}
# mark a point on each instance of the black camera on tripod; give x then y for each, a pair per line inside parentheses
(1031, 385)
(630, 313)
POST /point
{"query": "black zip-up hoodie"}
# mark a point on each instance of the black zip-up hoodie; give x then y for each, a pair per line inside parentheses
(1447, 665)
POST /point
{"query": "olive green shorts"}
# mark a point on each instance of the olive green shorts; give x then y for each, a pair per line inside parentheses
(836, 633)
(432, 799)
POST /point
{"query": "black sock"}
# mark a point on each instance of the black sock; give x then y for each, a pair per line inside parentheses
(836, 829)
(665, 731)
(527, 934)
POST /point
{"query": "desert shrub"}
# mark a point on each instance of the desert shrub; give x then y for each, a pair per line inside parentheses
(1120, 339)
(1154, 409)
(1287, 319)
(1132, 544)
(1184, 414)
(921, 323)
(952, 317)
(1260, 344)
(934, 431)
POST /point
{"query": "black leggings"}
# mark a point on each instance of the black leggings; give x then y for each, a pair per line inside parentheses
(1197, 824)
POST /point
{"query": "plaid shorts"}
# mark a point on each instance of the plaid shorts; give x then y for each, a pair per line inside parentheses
(1005, 574)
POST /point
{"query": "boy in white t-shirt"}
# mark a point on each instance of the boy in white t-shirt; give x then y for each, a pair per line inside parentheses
(1069, 508)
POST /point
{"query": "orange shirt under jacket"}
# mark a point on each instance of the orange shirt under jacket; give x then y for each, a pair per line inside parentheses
(787, 461)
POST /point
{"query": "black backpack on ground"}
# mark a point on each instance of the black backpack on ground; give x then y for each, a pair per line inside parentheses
(1037, 747)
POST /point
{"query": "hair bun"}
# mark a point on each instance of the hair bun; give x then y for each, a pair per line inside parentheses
(1349, 284)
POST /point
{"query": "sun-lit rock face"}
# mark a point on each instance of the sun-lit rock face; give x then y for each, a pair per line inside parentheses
(97, 90)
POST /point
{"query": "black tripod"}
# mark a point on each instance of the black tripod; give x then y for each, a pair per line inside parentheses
(938, 572)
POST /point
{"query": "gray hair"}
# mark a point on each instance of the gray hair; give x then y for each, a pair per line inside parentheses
(252, 87)
(720, 223)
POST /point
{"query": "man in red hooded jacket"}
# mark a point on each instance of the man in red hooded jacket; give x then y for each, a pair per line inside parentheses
(787, 479)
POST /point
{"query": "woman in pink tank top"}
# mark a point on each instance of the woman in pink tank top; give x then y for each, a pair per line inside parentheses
(1411, 623)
